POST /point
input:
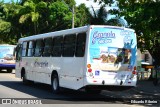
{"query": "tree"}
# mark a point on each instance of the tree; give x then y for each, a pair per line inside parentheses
(32, 10)
(99, 17)
(144, 17)
(60, 16)
(4, 29)
(9, 26)
(4, 25)
(82, 15)
(29, 17)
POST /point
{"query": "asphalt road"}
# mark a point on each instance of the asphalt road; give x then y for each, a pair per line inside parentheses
(11, 87)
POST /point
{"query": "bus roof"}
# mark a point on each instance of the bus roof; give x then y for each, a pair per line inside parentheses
(68, 31)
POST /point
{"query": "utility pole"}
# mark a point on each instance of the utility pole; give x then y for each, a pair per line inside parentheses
(72, 10)
(73, 16)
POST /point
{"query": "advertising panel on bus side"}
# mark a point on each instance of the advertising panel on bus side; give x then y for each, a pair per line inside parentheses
(110, 47)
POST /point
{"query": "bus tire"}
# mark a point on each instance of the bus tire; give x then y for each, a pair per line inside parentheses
(24, 80)
(55, 84)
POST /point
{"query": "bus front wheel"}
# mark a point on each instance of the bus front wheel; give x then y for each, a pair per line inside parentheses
(55, 84)
(24, 80)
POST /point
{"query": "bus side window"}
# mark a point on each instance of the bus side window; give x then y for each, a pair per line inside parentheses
(39, 48)
(31, 48)
(24, 49)
(69, 45)
(47, 47)
(57, 46)
(80, 45)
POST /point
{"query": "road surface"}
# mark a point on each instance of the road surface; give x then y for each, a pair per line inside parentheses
(13, 88)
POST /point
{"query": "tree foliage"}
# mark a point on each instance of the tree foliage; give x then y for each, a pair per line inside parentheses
(99, 17)
(8, 20)
(60, 16)
(30, 17)
(32, 11)
(144, 17)
(82, 15)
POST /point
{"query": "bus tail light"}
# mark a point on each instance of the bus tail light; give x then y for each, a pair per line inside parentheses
(134, 71)
(89, 70)
(89, 67)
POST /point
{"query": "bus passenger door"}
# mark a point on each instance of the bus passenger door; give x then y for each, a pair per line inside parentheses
(18, 60)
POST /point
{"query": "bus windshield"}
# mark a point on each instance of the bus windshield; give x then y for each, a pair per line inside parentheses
(112, 49)
(6, 52)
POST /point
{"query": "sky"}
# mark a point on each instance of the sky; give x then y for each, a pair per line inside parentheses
(88, 3)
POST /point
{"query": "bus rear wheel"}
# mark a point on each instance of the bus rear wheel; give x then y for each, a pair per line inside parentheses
(55, 84)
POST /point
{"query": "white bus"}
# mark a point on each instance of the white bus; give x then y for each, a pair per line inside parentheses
(7, 59)
(91, 57)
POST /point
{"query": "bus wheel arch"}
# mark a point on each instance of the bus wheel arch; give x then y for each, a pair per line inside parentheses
(55, 82)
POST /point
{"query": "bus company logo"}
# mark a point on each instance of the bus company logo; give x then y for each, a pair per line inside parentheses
(103, 37)
(40, 64)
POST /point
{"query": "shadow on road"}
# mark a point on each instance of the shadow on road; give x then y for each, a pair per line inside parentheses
(43, 91)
